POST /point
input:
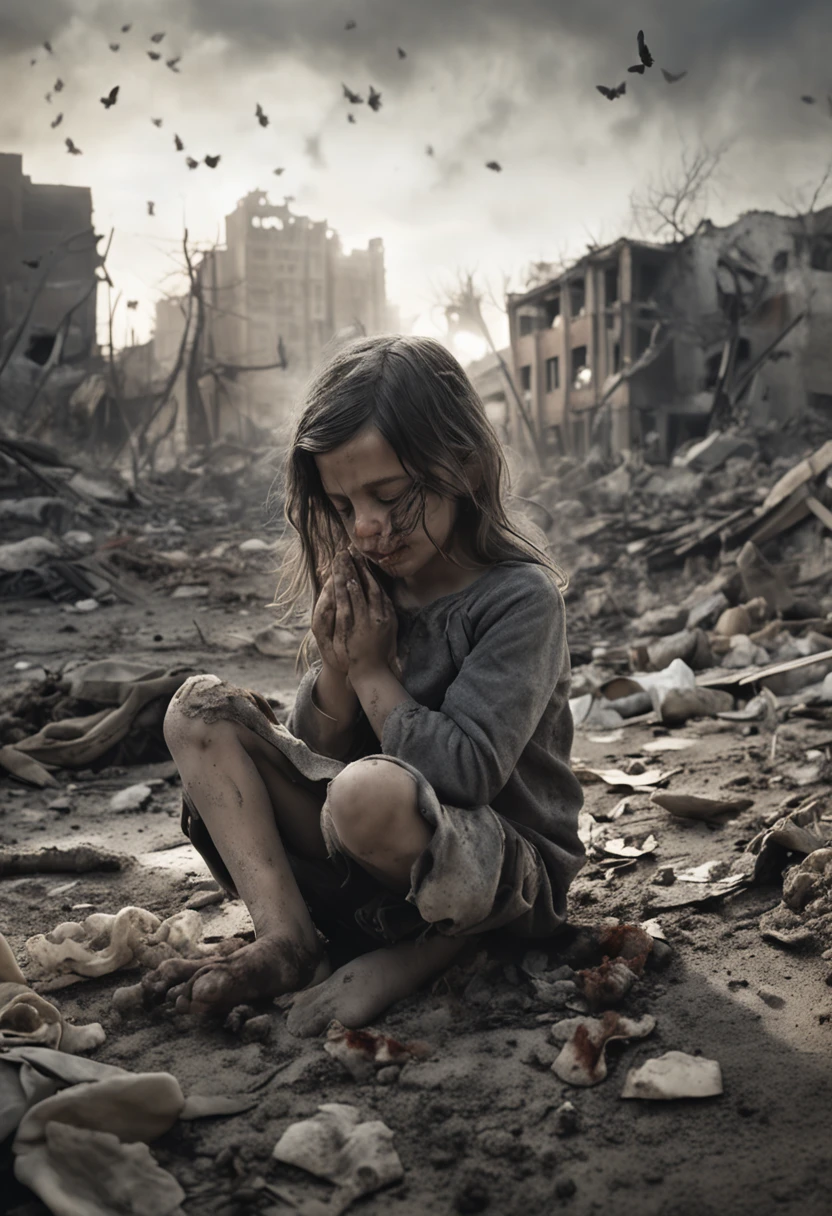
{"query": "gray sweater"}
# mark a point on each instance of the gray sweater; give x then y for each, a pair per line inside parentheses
(489, 669)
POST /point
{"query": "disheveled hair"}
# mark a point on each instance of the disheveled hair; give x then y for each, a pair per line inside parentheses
(420, 399)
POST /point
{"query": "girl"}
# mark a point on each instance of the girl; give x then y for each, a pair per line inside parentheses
(420, 793)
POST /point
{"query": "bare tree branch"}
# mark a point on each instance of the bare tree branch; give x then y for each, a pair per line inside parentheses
(673, 204)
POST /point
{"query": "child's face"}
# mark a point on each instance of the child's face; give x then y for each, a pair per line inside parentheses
(363, 478)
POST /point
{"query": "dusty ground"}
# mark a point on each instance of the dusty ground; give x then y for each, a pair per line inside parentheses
(476, 1126)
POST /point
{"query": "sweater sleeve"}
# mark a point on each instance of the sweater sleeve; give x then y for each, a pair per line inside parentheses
(307, 718)
(469, 747)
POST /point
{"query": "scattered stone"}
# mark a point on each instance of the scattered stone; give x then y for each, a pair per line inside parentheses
(257, 1030)
(131, 799)
(770, 998)
(567, 1120)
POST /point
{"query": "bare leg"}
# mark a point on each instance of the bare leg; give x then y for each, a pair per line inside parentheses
(241, 788)
(374, 807)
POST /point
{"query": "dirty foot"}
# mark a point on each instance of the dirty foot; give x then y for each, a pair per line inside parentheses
(359, 991)
(266, 967)
(157, 983)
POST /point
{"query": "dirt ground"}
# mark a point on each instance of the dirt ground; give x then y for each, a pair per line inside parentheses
(476, 1126)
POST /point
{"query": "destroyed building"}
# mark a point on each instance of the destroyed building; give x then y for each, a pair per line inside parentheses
(48, 259)
(649, 339)
(282, 285)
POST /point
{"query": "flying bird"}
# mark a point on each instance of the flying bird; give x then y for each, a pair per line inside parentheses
(643, 51)
(125, 29)
(350, 25)
(611, 94)
(48, 46)
(151, 208)
(637, 67)
(111, 98)
(132, 303)
(354, 98)
(429, 149)
(402, 54)
(115, 46)
(157, 122)
(671, 78)
(350, 118)
(180, 147)
(154, 55)
(32, 62)
(72, 149)
(495, 165)
(191, 163)
(157, 37)
(261, 116)
(212, 161)
(33, 263)
(277, 172)
(57, 122)
(172, 63)
(809, 101)
(374, 100)
(58, 85)
(48, 97)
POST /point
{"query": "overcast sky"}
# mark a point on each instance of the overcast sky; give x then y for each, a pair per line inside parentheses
(510, 81)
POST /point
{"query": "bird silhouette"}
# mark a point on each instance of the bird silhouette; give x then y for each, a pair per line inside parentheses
(180, 147)
(115, 46)
(48, 97)
(191, 163)
(125, 29)
(374, 100)
(151, 208)
(671, 78)
(132, 303)
(212, 161)
(157, 37)
(111, 98)
(611, 94)
(72, 149)
(261, 116)
(353, 98)
(157, 122)
(495, 165)
(33, 263)
(637, 67)
(32, 62)
(48, 46)
(57, 122)
(402, 54)
(809, 101)
(172, 63)
(350, 118)
(643, 51)
(154, 55)
(350, 25)
(429, 149)
(277, 172)
(58, 85)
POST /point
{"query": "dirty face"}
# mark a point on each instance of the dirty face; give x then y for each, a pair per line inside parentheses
(365, 481)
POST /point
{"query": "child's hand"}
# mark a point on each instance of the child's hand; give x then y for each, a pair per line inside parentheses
(323, 628)
(366, 626)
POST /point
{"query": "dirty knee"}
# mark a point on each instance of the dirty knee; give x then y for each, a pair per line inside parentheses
(368, 798)
(189, 721)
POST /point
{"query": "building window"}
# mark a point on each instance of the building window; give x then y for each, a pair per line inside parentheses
(552, 374)
(578, 364)
(780, 261)
(611, 285)
(526, 325)
(648, 278)
(577, 298)
(552, 308)
(820, 253)
(616, 357)
(526, 378)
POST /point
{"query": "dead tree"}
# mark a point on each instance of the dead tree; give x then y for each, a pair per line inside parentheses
(462, 307)
(672, 204)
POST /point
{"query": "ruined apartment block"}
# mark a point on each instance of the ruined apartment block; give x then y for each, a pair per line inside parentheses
(279, 277)
(650, 332)
(36, 222)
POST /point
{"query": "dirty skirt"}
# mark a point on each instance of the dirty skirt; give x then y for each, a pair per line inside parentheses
(477, 874)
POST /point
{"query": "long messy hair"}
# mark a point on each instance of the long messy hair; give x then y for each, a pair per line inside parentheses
(422, 402)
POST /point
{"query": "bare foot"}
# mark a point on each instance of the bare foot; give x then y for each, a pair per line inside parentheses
(359, 991)
(266, 967)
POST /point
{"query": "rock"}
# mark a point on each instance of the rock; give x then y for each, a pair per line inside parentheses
(733, 621)
(660, 622)
(674, 1075)
(132, 799)
(257, 1030)
(689, 645)
(770, 998)
(275, 641)
(191, 591)
(679, 705)
(743, 653)
(388, 1075)
(566, 1120)
(255, 545)
(705, 613)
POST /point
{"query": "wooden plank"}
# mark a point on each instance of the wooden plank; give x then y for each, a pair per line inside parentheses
(823, 513)
(723, 678)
